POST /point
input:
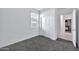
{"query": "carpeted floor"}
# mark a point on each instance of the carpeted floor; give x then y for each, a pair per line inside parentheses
(40, 43)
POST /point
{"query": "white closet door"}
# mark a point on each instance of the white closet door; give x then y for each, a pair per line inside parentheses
(74, 27)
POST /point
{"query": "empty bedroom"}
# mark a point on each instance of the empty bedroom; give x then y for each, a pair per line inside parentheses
(39, 29)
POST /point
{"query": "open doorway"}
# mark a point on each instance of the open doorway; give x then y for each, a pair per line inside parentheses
(68, 27)
(65, 27)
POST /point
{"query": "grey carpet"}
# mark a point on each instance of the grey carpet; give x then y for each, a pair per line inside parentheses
(40, 43)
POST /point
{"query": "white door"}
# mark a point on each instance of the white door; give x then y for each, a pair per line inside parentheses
(74, 27)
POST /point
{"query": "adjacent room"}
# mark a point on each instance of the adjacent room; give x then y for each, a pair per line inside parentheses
(39, 29)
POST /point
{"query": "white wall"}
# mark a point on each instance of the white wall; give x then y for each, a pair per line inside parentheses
(15, 25)
(57, 19)
(48, 28)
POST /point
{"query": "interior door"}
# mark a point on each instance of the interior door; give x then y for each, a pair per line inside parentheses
(74, 27)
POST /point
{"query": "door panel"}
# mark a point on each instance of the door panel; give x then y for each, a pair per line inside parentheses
(74, 27)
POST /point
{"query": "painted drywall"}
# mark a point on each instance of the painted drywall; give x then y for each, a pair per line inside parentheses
(48, 28)
(15, 25)
(57, 19)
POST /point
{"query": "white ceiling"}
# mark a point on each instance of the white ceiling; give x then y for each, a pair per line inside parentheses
(39, 8)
